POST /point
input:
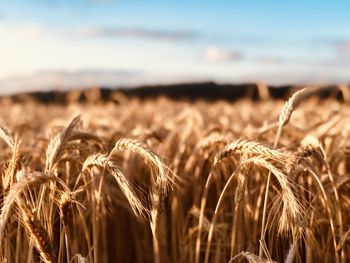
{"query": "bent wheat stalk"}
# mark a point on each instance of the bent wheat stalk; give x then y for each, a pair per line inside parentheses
(160, 182)
(160, 178)
(291, 212)
(104, 161)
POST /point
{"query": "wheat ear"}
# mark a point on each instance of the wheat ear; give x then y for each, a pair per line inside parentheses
(251, 147)
(30, 180)
(290, 106)
(37, 233)
(5, 135)
(57, 144)
(250, 257)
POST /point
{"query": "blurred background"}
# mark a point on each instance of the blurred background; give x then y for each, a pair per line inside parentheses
(63, 44)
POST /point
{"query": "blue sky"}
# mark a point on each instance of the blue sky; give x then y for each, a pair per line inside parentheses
(103, 41)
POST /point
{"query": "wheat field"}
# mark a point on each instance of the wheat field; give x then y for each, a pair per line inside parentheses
(162, 180)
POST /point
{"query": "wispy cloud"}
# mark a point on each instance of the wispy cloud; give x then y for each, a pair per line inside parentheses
(110, 32)
(215, 54)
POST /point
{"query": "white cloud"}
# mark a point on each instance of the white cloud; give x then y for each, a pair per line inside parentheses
(141, 33)
(215, 54)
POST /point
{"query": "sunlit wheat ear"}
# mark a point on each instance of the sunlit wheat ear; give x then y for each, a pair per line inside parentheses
(250, 257)
(56, 145)
(250, 147)
(292, 211)
(79, 259)
(102, 160)
(5, 135)
(290, 106)
(37, 233)
(29, 181)
(310, 146)
(97, 159)
(213, 139)
(242, 182)
(65, 204)
(160, 177)
(14, 166)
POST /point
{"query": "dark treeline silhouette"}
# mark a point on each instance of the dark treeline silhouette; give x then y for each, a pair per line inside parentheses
(190, 91)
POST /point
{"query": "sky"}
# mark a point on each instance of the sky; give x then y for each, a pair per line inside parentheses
(64, 43)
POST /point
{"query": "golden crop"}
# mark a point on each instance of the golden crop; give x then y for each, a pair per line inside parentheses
(161, 180)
